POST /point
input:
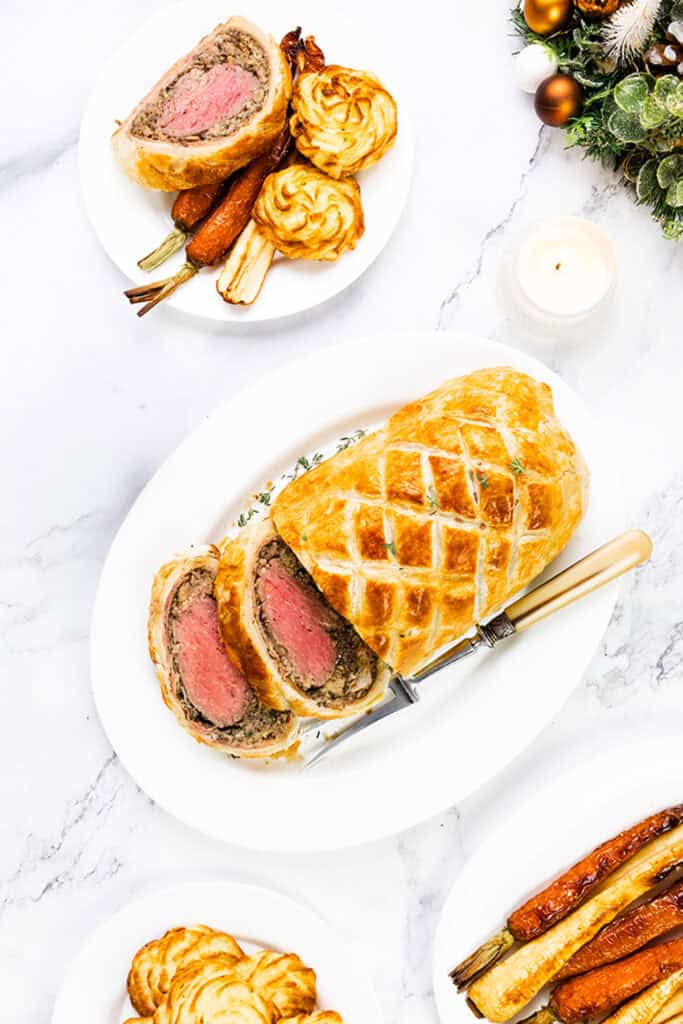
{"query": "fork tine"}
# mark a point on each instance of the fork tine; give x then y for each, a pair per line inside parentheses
(396, 703)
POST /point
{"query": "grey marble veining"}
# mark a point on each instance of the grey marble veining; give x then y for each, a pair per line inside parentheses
(94, 399)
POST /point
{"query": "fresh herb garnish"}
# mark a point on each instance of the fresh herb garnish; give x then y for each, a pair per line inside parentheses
(517, 467)
(349, 439)
(433, 501)
(303, 463)
(484, 481)
(390, 546)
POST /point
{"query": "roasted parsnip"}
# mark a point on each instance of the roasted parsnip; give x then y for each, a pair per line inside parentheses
(241, 279)
(509, 986)
(567, 892)
(633, 930)
(671, 1010)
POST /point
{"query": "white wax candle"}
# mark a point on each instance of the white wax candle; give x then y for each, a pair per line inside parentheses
(566, 267)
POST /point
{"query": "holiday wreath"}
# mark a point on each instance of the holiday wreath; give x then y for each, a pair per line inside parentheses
(613, 78)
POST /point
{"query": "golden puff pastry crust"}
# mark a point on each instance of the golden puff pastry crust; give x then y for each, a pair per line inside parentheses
(307, 215)
(210, 991)
(264, 730)
(243, 635)
(343, 120)
(282, 980)
(155, 965)
(169, 164)
(435, 521)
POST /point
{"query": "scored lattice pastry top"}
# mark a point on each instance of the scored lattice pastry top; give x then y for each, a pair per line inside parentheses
(439, 518)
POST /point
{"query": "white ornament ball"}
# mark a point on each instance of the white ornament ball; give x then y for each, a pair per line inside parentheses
(533, 65)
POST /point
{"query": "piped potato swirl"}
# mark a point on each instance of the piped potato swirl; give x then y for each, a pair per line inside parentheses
(344, 120)
(308, 215)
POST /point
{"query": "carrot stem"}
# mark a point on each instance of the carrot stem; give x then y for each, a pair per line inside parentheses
(481, 960)
(174, 240)
(154, 293)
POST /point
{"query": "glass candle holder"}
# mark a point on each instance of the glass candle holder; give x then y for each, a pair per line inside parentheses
(559, 276)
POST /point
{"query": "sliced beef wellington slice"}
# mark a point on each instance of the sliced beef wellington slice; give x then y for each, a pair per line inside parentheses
(202, 686)
(288, 639)
(215, 110)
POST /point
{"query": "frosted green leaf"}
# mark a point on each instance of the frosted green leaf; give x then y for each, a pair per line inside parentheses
(626, 127)
(674, 101)
(670, 170)
(647, 183)
(674, 194)
(664, 87)
(651, 113)
(631, 92)
(676, 12)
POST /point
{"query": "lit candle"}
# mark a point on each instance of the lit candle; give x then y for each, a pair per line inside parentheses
(562, 272)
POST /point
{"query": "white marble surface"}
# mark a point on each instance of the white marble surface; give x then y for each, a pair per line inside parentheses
(94, 399)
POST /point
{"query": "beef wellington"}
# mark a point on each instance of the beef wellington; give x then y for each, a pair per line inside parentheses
(204, 687)
(215, 110)
(288, 639)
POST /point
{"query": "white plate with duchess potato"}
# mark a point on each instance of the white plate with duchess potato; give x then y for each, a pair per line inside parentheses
(629, 779)
(130, 220)
(95, 986)
(472, 719)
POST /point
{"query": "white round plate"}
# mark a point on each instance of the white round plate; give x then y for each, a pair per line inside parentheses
(130, 220)
(472, 720)
(533, 844)
(94, 988)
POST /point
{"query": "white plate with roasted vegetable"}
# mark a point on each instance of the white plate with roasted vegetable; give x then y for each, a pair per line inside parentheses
(261, 175)
(572, 911)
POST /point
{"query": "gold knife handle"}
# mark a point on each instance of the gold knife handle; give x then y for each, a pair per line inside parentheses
(602, 566)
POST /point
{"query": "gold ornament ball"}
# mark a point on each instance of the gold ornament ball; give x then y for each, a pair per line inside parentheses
(597, 8)
(546, 16)
(558, 99)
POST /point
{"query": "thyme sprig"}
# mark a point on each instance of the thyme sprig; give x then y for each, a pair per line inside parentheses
(303, 464)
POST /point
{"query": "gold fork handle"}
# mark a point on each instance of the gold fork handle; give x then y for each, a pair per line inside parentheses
(603, 565)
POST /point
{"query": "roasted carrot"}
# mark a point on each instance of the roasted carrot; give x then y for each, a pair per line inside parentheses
(220, 229)
(607, 987)
(509, 986)
(632, 931)
(566, 893)
(646, 1007)
(188, 210)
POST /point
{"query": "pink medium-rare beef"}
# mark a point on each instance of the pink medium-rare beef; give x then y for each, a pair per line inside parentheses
(300, 620)
(289, 641)
(206, 97)
(203, 687)
(213, 683)
(220, 106)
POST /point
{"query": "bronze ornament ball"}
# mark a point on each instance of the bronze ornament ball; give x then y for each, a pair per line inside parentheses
(558, 99)
(546, 16)
(597, 8)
